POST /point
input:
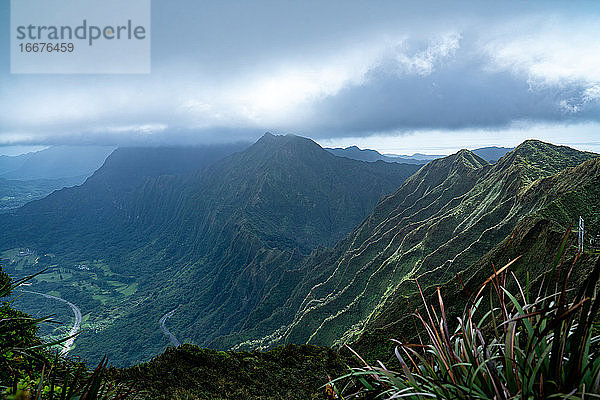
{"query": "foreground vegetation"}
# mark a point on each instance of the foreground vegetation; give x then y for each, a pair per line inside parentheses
(189, 372)
(507, 345)
(515, 340)
(31, 368)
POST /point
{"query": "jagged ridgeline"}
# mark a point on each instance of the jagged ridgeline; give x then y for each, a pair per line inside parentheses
(442, 220)
(207, 232)
(234, 242)
(531, 249)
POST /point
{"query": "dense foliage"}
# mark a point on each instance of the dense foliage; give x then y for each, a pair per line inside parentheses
(27, 368)
(529, 344)
(189, 372)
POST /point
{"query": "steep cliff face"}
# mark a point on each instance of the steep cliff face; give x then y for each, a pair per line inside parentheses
(442, 220)
(534, 244)
(238, 246)
(206, 231)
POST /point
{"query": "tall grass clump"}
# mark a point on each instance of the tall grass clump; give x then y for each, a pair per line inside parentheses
(508, 345)
(30, 371)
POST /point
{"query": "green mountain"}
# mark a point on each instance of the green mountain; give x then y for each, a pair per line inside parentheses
(442, 220)
(76, 218)
(209, 244)
(534, 244)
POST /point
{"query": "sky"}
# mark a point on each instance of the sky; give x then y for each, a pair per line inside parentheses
(396, 76)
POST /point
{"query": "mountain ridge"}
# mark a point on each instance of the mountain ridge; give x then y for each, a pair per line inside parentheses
(56, 162)
(285, 242)
(208, 243)
(414, 235)
(533, 244)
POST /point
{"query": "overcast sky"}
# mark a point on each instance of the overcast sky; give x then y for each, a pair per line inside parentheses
(397, 76)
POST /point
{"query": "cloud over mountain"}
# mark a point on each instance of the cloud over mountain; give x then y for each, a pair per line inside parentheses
(326, 70)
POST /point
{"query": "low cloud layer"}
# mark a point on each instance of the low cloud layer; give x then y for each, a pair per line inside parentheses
(460, 89)
(465, 68)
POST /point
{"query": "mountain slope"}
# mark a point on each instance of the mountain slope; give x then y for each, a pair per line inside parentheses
(240, 224)
(84, 218)
(208, 244)
(534, 243)
(444, 218)
(292, 189)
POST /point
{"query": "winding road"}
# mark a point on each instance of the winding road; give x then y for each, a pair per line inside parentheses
(162, 321)
(76, 326)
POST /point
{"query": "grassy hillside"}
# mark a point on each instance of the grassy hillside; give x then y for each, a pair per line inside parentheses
(442, 220)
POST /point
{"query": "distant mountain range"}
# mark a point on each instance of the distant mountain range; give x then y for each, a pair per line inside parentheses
(34, 175)
(57, 162)
(490, 154)
(282, 241)
(493, 153)
(15, 193)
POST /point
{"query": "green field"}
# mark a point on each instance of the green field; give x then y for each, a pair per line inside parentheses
(89, 284)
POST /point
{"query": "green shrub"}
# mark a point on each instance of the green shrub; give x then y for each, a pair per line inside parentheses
(520, 346)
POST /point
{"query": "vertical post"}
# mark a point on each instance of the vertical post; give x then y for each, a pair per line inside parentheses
(581, 234)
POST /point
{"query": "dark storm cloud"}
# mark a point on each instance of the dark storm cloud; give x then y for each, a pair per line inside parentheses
(461, 93)
(229, 70)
